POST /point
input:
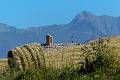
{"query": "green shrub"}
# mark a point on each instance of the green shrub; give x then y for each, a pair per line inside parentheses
(97, 55)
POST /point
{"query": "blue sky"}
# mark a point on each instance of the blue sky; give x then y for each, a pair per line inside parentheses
(30, 13)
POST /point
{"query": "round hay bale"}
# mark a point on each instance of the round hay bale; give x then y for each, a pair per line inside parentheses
(27, 56)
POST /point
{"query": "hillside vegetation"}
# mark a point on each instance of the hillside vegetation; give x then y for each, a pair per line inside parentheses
(97, 59)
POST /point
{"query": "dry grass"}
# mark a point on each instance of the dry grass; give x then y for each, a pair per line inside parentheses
(3, 63)
(61, 57)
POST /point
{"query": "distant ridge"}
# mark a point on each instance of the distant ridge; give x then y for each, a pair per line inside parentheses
(84, 27)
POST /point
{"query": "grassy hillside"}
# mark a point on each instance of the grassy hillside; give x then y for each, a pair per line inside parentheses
(59, 57)
(71, 55)
(63, 64)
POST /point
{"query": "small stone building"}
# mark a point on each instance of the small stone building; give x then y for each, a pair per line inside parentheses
(49, 40)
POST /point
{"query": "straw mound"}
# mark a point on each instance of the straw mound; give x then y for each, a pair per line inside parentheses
(27, 56)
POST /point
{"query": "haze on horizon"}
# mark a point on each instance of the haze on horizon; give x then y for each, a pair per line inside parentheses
(32, 13)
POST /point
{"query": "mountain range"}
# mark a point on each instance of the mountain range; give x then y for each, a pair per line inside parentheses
(84, 27)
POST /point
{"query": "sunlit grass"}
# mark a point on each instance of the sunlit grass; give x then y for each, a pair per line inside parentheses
(65, 62)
